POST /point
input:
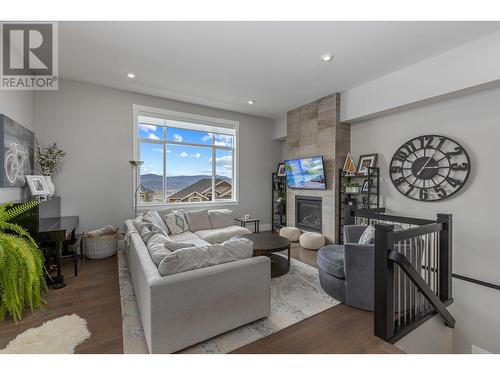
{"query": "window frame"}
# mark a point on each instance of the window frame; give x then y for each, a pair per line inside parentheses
(197, 122)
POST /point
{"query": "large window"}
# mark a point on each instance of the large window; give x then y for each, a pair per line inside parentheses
(187, 159)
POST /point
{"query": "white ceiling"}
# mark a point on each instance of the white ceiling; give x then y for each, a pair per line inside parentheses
(277, 64)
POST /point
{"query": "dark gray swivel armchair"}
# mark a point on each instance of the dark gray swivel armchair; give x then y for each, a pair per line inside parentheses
(346, 271)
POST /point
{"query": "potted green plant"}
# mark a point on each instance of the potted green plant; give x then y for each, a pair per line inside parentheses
(22, 277)
(352, 187)
(50, 160)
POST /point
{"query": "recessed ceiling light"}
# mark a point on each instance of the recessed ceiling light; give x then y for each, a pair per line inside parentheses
(130, 75)
(250, 102)
(327, 57)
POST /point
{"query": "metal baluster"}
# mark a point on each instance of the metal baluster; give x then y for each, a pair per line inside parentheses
(438, 265)
(403, 250)
(428, 264)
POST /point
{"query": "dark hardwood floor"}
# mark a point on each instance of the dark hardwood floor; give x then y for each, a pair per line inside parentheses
(339, 330)
(94, 295)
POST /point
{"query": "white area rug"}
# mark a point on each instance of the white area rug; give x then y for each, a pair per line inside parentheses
(294, 297)
(58, 336)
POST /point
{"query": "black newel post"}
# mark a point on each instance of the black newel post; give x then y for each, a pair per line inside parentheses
(445, 256)
(383, 283)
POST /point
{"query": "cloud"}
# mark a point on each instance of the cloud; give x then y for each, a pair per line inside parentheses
(223, 140)
(153, 136)
(207, 137)
(183, 154)
(148, 128)
(149, 169)
(157, 149)
(223, 160)
(177, 138)
(196, 155)
(169, 151)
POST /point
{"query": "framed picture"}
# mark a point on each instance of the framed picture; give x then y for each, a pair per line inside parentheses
(37, 185)
(366, 186)
(281, 170)
(16, 152)
(365, 162)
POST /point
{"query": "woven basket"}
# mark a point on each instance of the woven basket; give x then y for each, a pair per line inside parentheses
(101, 247)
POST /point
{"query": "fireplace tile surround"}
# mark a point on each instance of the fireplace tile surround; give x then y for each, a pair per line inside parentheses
(315, 130)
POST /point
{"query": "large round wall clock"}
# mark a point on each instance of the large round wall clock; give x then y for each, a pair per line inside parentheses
(429, 168)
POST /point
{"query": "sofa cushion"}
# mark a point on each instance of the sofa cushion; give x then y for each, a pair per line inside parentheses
(221, 218)
(220, 235)
(198, 220)
(331, 260)
(154, 218)
(157, 249)
(204, 256)
(368, 236)
(176, 222)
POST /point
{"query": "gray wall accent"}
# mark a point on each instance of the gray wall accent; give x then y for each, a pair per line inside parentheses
(315, 129)
(93, 124)
(19, 106)
(473, 121)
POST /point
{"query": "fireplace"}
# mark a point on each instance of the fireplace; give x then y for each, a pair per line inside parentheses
(308, 213)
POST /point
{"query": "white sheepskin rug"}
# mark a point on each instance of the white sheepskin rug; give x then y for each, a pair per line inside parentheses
(57, 336)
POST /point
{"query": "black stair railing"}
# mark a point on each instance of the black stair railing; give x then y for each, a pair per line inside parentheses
(413, 274)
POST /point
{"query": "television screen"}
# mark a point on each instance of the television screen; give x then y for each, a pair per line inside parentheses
(305, 173)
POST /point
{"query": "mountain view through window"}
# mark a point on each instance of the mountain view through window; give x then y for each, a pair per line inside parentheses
(183, 163)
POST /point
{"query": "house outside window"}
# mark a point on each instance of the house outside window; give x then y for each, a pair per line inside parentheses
(188, 159)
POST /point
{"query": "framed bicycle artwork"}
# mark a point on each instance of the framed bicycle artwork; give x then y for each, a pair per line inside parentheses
(16, 153)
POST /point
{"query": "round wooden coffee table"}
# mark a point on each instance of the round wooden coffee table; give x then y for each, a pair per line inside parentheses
(267, 244)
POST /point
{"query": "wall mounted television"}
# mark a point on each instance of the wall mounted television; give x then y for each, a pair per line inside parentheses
(306, 173)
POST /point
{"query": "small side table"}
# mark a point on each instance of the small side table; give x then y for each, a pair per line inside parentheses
(243, 222)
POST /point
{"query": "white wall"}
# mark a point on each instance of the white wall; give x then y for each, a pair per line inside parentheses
(280, 128)
(19, 106)
(93, 125)
(474, 121)
(471, 65)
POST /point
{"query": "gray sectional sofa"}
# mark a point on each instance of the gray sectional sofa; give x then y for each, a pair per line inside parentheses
(186, 308)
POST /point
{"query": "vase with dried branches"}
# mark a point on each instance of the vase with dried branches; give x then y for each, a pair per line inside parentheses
(50, 159)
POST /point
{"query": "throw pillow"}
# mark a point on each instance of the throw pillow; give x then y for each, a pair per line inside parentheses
(192, 258)
(155, 219)
(157, 249)
(147, 233)
(176, 222)
(221, 218)
(137, 221)
(368, 236)
(198, 220)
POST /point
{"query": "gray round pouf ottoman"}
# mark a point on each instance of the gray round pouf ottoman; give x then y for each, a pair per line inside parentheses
(291, 233)
(312, 240)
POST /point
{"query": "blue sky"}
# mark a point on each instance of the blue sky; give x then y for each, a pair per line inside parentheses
(184, 160)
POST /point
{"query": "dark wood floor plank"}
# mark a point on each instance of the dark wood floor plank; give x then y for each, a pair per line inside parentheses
(94, 295)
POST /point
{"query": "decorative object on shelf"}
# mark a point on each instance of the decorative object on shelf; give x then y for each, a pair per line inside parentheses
(281, 170)
(365, 162)
(278, 202)
(16, 153)
(351, 187)
(136, 164)
(38, 186)
(366, 186)
(366, 195)
(429, 168)
(50, 159)
(349, 166)
(22, 278)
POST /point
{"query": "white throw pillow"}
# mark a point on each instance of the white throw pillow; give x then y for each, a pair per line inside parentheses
(176, 222)
(147, 233)
(155, 219)
(198, 220)
(157, 249)
(221, 218)
(192, 258)
(368, 236)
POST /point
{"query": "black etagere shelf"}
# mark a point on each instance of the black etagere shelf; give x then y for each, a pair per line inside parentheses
(278, 214)
(361, 197)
